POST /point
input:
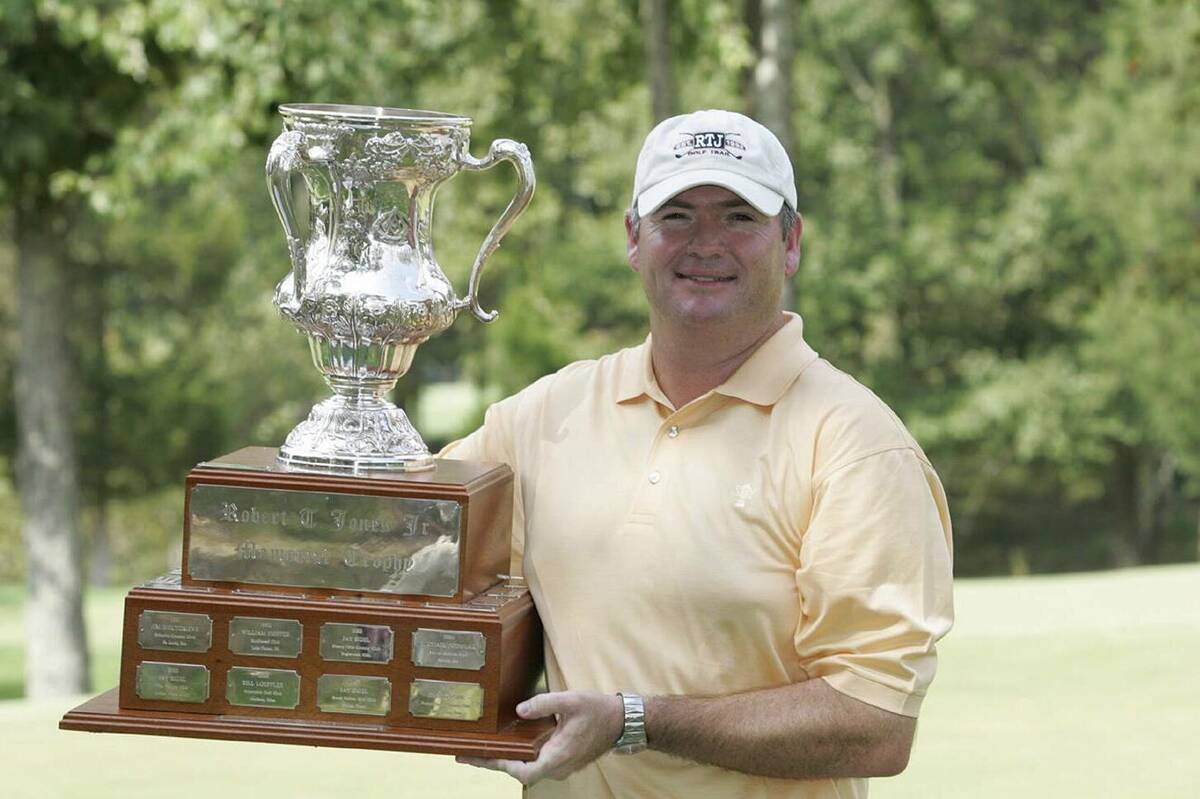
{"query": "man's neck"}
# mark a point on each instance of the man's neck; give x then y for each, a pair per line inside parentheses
(689, 362)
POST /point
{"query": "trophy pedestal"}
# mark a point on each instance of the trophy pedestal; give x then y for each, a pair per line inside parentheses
(398, 675)
(332, 610)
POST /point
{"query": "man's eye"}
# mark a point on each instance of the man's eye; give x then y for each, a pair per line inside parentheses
(742, 217)
(673, 215)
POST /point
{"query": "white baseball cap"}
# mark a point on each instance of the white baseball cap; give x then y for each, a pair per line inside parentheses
(714, 148)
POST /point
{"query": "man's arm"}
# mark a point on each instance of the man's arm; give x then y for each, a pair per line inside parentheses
(802, 731)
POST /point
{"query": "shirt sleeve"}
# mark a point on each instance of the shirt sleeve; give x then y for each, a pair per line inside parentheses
(875, 580)
(493, 442)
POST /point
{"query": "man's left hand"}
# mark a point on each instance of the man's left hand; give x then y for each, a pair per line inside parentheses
(589, 724)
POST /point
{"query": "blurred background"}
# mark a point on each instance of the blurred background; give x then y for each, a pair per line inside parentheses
(1002, 213)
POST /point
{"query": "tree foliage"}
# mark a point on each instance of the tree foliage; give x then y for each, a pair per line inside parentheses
(1000, 202)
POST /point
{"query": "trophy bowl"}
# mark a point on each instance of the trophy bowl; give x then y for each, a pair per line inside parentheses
(365, 287)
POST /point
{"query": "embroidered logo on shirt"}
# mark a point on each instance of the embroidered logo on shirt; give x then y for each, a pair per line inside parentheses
(742, 494)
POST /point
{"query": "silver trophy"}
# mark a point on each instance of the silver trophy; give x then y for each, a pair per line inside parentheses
(365, 287)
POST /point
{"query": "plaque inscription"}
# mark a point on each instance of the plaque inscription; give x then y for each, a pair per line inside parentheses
(399, 545)
(449, 649)
(356, 643)
(262, 687)
(280, 638)
(439, 699)
(172, 682)
(174, 632)
(350, 693)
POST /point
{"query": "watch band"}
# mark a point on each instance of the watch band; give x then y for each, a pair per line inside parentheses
(633, 735)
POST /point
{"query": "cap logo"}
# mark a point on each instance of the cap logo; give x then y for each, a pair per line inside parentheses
(709, 143)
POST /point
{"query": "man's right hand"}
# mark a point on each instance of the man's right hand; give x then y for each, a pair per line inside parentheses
(589, 724)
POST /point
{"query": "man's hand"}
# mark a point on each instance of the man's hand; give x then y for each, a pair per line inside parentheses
(589, 723)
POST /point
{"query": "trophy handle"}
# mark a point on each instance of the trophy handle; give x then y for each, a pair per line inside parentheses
(518, 154)
(282, 160)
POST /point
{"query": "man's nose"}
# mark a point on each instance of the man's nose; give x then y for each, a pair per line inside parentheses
(706, 239)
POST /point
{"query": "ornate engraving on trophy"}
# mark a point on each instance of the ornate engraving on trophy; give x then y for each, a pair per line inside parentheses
(356, 643)
(262, 687)
(174, 632)
(401, 545)
(439, 699)
(351, 693)
(279, 638)
(449, 649)
(172, 682)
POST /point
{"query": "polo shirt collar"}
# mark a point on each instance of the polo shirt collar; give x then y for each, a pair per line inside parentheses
(761, 380)
(636, 378)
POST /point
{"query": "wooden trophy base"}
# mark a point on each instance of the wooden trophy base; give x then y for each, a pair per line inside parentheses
(334, 610)
(247, 687)
(520, 741)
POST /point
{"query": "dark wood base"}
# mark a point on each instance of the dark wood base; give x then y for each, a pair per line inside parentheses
(505, 619)
(519, 741)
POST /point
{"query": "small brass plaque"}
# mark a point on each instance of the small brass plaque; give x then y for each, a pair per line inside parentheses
(350, 693)
(262, 687)
(449, 649)
(174, 632)
(356, 643)
(279, 638)
(172, 682)
(439, 699)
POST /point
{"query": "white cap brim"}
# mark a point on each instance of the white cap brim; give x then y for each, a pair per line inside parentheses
(768, 201)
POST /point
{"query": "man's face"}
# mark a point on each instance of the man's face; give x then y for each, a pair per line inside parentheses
(708, 256)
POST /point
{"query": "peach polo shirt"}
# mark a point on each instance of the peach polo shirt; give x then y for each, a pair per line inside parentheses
(782, 527)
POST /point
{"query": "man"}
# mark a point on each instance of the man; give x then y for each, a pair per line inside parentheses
(726, 537)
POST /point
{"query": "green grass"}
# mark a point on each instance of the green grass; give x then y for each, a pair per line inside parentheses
(11, 657)
(42, 762)
(1063, 686)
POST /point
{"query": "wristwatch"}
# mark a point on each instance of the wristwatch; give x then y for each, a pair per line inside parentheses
(633, 736)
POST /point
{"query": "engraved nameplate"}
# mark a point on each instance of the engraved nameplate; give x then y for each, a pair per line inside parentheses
(449, 649)
(350, 693)
(262, 687)
(439, 699)
(172, 682)
(174, 632)
(356, 643)
(397, 545)
(279, 638)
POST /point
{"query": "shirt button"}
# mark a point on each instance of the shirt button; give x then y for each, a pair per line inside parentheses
(673, 431)
(655, 477)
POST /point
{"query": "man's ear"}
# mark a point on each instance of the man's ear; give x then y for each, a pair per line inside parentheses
(791, 247)
(631, 241)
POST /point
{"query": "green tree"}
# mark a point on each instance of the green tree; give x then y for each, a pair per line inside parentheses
(118, 117)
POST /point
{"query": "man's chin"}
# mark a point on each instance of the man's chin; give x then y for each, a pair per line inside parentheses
(702, 314)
